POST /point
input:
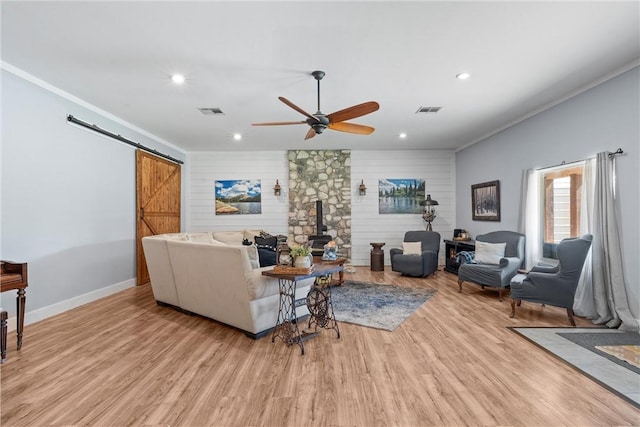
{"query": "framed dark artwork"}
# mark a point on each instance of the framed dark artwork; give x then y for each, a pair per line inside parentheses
(485, 201)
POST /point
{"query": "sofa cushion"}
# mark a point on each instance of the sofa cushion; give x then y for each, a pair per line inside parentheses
(254, 258)
(251, 234)
(180, 237)
(199, 237)
(260, 286)
(229, 237)
(489, 253)
(252, 252)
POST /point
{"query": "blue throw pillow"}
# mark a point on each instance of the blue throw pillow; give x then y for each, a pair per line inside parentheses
(271, 241)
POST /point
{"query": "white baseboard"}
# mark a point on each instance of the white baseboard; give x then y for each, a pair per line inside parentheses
(62, 306)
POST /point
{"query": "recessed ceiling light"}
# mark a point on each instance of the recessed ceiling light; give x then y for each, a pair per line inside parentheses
(463, 76)
(177, 79)
(237, 137)
(402, 135)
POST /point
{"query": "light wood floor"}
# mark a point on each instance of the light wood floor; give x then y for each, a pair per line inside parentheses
(124, 360)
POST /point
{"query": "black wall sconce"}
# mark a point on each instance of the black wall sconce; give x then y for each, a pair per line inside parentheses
(362, 189)
(277, 189)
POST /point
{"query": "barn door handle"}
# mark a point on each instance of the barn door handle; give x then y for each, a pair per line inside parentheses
(141, 213)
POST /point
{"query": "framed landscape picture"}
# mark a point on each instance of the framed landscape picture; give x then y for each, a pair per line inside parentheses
(238, 197)
(400, 196)
(485, 201)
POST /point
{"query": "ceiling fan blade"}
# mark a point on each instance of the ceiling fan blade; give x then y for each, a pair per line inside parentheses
(278, 123)
(351, 128)
(295, 107)
(353, 112)
(310, 134)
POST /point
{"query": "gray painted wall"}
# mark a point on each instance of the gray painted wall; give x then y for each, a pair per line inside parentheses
(601, 119)
(68, 196)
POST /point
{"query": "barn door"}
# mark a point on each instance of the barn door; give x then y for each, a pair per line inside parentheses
(157, 202)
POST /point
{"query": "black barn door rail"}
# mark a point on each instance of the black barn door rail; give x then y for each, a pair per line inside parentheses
(98, 129)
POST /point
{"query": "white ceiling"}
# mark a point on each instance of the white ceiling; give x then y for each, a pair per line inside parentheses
(240, 56)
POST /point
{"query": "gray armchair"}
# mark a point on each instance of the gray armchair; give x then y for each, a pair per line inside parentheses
(496, 275)
(555, 285)
(417, 265)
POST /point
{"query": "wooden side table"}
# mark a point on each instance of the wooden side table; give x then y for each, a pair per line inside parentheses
(339, 261)
(318, 301)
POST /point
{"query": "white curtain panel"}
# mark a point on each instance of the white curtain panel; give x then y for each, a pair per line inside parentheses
(529, 220)
(609, 289)
(583, 303)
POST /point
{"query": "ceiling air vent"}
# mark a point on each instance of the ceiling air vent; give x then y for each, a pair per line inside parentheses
(428, 110)
(211, 111)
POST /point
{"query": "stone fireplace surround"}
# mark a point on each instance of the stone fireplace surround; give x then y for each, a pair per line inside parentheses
(320, 175)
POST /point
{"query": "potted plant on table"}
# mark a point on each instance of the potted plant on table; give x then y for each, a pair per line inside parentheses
(301, 255)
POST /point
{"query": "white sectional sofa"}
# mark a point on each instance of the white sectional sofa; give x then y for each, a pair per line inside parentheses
(212, 274)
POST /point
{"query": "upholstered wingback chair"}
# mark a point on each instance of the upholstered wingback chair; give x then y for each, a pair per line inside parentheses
(555, 285)
(423, 263)
(498, 274)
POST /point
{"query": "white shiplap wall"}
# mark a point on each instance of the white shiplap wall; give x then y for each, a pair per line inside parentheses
(436, 167)
(204, 168)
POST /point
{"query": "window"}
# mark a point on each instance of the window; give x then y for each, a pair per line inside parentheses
(562, 193)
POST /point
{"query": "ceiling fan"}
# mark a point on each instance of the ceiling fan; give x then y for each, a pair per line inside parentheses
(336, 121)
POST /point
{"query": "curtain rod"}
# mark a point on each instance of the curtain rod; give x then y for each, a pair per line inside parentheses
(563, 163)
(615, 153)
(98, 129)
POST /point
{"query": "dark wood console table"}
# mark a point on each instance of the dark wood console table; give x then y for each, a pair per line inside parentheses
(14, 276)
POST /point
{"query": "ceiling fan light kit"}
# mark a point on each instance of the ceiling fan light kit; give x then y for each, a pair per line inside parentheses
(318, 122)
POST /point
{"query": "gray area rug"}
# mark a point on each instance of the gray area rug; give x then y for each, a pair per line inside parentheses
(591, 340)
(574, 347)
(375, 305)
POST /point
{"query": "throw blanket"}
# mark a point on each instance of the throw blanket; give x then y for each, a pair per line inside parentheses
(464, 257)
